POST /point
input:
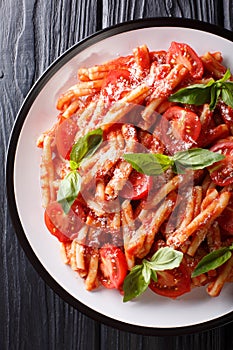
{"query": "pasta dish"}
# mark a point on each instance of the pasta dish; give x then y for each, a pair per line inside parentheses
(137, 173)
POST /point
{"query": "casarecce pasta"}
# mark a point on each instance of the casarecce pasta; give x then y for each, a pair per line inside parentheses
(112, 215)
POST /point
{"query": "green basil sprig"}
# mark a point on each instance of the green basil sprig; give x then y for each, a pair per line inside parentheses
(71, 184)
(85, 147)
(68, 190)
(198, 94)
(137, 281)
(213, 260)
(155, 164)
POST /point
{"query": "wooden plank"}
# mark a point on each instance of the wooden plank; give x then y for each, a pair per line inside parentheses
(210, 11)
(114, 339)
(210, 340)
(228, 14)
(32, 35)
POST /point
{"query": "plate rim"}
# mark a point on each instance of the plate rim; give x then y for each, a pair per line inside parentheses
(21, 116)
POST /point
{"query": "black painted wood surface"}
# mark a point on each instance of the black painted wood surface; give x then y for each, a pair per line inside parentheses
(32, 34)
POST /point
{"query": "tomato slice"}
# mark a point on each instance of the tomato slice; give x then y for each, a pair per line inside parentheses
(172, 283)
(64, 137)
(64, 226)
(222, 172)
(113, 266)
(210, 135)
(180, 128)
(137, 186)
(115, 75)
(184, 54)
(225, 220)
(116, 84)
(224, 146)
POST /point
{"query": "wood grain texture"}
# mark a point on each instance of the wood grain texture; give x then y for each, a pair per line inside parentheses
(228, 14)
(210, 11)
(33, 33)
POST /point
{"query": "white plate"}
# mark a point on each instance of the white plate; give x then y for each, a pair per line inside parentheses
(149, 314)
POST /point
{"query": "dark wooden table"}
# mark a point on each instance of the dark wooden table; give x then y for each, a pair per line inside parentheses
(33, 33)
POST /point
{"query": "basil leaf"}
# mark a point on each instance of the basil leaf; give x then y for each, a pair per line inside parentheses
(226, 76)
(165, 258)
(73, 165)
(146, 271)
(196, 94)
(148, 163)
(154, 276)
(197, 158)
(213, 95)
(228, 85)
(178, 168)
(199, 94)
(86, 145)
(68, 190)
(227, 95)
(156, 164)
(212, 260)
(231, 247)
(217, 90)
(137, 281)
(134, 283)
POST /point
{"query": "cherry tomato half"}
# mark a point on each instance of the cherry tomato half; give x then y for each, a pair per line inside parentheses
(116, 84)
(180, 128)
(184, 54)
(64, 226)
(137, 186)
(222, 172)
(224, 146)
(172, 283)
(113, 266)
(64, 137)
